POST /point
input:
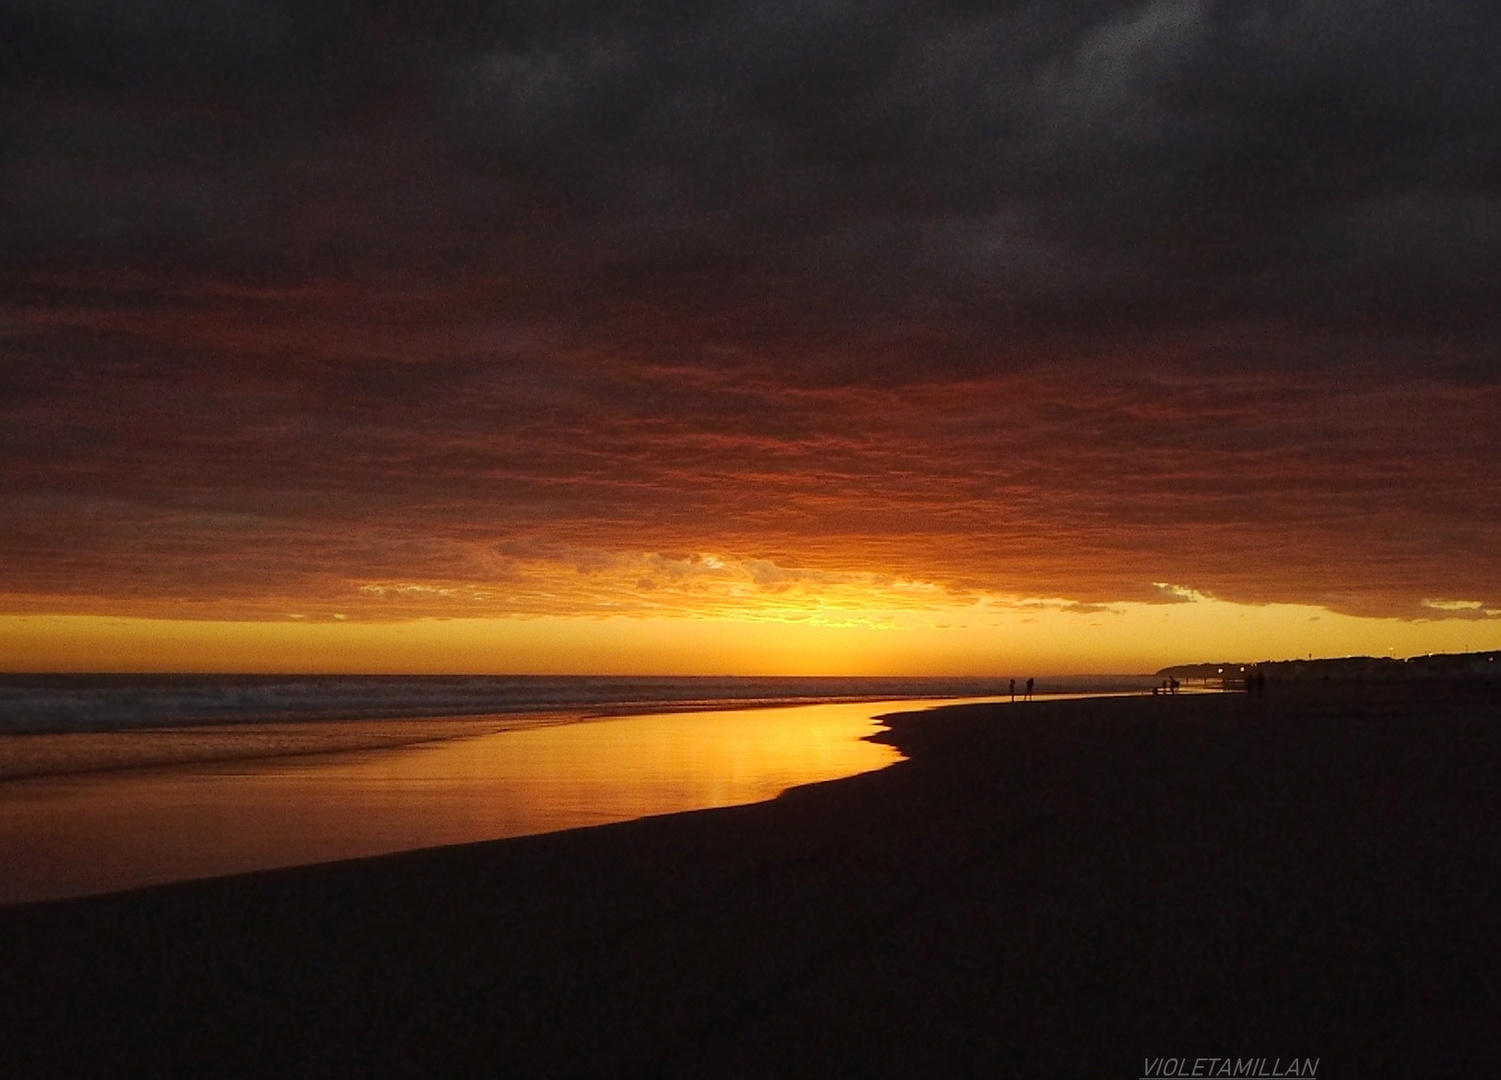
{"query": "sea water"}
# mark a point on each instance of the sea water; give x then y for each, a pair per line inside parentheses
(129, 781)
(34, 703)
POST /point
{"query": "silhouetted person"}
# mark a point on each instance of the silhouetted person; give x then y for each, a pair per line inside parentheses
(1029, 689)
(1013, 689)
(1260, 683)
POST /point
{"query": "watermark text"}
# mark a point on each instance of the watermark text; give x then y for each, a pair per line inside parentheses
(1251, 1068)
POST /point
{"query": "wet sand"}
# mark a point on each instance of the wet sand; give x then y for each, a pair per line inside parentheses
(1051, 889)
(90, 833)
(57, 753)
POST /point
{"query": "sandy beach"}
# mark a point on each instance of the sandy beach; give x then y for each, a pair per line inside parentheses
(1051, 889)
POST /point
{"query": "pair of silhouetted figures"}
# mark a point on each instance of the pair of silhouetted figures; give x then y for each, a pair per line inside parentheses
(1026, 694)
(1256, 683)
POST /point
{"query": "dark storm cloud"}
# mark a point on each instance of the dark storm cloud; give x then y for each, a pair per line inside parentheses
(1168, 161)
(1106, 290)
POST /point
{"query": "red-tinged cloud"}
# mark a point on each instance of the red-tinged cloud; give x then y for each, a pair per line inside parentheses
(560, 309)
(531, 477)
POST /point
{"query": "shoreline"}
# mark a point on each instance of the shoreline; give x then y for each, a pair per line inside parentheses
(49, 755)
(1065, 889)
(103, 832)
(40, 755)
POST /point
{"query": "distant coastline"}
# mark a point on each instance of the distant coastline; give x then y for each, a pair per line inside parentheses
(1467, 666)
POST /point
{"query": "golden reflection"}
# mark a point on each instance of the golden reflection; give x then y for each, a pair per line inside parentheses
(81, 834)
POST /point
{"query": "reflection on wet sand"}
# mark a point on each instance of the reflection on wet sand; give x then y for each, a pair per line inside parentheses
(100, 832)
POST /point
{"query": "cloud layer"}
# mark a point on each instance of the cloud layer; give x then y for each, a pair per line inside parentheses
(518, 307)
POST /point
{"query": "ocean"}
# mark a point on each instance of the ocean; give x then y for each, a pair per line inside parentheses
(99, 703)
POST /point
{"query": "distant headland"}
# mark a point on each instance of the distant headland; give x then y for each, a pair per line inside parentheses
(1450, 667)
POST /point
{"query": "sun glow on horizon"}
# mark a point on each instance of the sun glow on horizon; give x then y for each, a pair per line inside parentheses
(984, 635)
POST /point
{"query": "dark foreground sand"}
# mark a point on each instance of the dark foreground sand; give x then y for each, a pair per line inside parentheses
(1053, 889)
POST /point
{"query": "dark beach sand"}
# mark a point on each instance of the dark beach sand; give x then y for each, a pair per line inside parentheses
(1052, 889)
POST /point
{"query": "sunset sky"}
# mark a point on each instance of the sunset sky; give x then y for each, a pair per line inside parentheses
(827, 337)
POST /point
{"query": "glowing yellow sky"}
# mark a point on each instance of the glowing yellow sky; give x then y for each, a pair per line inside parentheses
(986, 636)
